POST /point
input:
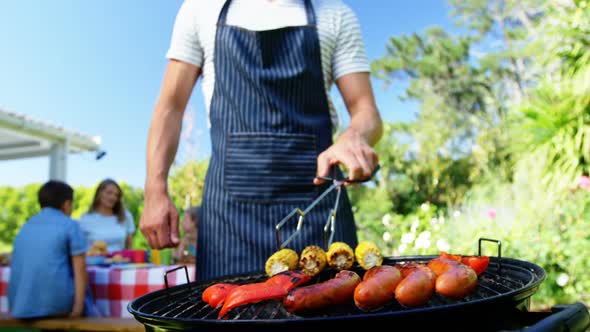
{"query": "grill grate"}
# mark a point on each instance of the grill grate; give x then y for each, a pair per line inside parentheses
(516, 280)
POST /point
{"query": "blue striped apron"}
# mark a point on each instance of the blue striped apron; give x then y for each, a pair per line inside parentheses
(269, 121)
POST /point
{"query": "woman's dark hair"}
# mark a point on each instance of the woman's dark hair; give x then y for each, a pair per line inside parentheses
(119, 208)
(54, 194)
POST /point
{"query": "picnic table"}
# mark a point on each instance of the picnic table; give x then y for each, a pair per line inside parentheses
(114, 286)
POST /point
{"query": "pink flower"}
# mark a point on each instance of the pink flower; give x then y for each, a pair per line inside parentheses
(492, 213)
(584, 182)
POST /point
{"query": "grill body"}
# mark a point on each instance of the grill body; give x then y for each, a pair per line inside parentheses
(503, 291)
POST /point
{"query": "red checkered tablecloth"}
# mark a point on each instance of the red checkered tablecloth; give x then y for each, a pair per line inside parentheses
(4, 276)
(114, 287)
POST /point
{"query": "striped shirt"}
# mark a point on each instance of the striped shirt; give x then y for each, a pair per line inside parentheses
(341, 42)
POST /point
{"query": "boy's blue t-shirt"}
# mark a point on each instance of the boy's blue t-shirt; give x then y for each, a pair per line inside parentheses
(41, 276)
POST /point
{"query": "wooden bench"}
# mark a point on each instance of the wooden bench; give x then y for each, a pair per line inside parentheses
(87, 324)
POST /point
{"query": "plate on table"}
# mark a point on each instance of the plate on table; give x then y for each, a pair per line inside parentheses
(123, 266)
(95, 260)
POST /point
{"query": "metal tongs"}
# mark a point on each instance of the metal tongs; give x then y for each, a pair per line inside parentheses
(329, 227)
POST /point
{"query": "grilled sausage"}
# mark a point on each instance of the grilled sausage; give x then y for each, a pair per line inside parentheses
(417, 288)
(441, 265)
(407, 268)
(377, 287)
(454, 279)
(337, 290)
(214, 295)
(456, 282)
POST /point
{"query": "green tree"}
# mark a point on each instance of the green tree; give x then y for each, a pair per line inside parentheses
(503, 29)
(465, 89)
(432, 158)
(18, 204)
(438, 65)
(542, 215)
(186, 183)
(553, 125)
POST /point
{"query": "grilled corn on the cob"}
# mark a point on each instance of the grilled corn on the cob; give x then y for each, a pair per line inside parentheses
(313, 260)
(282, 260)
(368, 255)
(340, 256)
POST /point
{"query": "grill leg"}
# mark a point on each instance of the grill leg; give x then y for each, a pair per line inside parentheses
(525, 305)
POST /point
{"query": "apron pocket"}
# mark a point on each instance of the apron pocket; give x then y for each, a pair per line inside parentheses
(270, 167)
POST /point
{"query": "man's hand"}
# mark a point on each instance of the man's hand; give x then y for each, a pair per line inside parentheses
(351, 150)
(159, 221)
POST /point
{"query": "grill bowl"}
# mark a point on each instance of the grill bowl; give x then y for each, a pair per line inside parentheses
(504, 288)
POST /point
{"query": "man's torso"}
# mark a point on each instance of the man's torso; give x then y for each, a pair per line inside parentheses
(261, 15)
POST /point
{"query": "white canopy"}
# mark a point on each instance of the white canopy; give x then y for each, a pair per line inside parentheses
(24, 137)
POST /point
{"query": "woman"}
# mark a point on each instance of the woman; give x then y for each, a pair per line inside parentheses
(107, 219)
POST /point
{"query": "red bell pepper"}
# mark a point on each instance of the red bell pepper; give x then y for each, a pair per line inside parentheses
(449, 256)
(288, 279)
(478, 263)
(215, 295)
(274, 288)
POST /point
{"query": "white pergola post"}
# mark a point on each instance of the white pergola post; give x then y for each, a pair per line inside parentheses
(58, 160)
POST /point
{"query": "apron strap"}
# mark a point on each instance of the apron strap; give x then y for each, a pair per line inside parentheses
(223, 13)
(310, 13)
(311, 20)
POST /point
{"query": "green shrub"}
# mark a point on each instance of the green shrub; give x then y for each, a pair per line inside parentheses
(552, 233)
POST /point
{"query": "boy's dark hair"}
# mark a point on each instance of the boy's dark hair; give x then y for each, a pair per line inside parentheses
(54, 193)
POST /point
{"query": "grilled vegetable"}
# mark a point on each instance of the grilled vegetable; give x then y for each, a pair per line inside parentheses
(280, 261)
(215, 295)
(312, 261)
(368, 255)
(478, 263)
(275, 288)
(340, 256)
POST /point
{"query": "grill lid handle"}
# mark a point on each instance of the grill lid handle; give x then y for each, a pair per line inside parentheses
(174, 270)
(499, 243)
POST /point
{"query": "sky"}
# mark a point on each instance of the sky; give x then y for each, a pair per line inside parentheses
(96, 66)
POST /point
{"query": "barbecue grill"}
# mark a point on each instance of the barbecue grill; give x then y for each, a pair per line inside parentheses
(501, 301)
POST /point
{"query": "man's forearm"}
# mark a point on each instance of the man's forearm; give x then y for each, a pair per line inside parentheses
(162, 145)
(368, 124)
(365, 120)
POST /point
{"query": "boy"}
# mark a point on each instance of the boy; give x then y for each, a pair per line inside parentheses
(48, 269)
